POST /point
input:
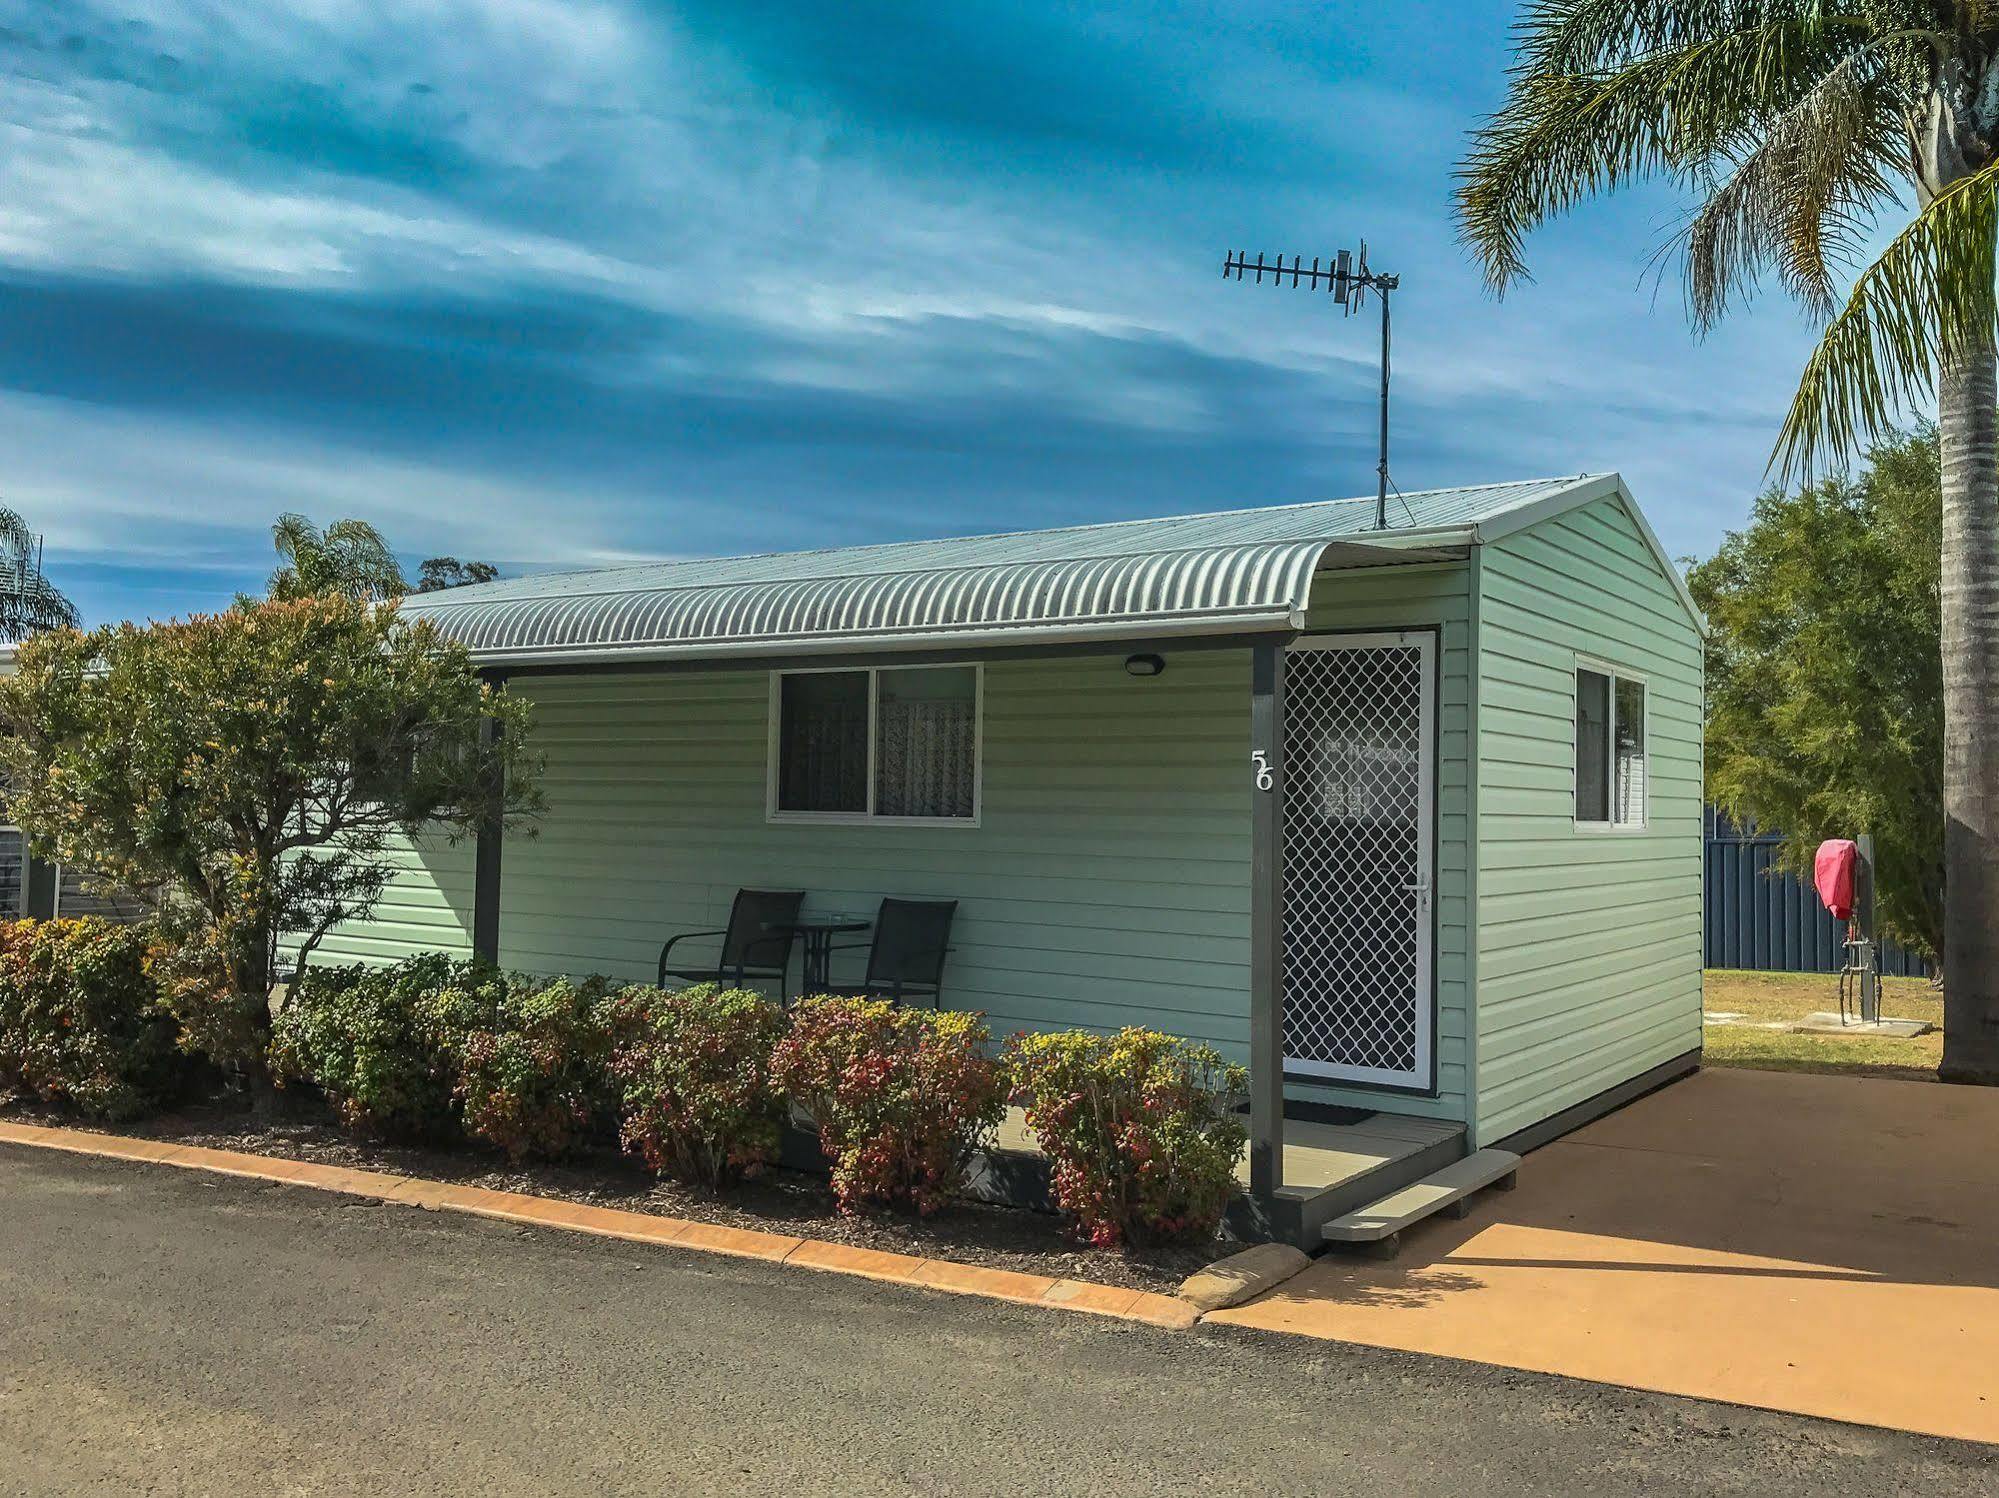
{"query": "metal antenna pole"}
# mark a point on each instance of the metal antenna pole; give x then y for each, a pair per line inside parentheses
(1381, 494)
(1349, 280)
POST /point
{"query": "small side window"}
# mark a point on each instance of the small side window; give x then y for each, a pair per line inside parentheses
(1610, 749)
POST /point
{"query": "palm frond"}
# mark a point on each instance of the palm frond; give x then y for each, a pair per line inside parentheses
(1803, 196)
(29, 602)
(1929, 291)
(1564, 135)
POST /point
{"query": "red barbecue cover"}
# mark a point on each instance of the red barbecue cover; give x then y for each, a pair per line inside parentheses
(1832, 874)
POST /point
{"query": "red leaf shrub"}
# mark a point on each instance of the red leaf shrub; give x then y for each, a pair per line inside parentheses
(1141, 1129)
(901, 1096)
(692, 1068)
(81, 1020)
(528, 1059)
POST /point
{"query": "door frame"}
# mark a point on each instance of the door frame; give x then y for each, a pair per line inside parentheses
(1422, 1081)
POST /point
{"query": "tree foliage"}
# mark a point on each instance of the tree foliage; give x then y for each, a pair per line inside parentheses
(349, 558)
(247, 770)
(1797, 126)
(1825, 691)
(439, 573)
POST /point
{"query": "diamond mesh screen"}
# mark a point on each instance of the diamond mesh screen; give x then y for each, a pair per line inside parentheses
(1352, 828)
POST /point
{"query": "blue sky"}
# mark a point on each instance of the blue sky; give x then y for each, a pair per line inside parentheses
(573, 281)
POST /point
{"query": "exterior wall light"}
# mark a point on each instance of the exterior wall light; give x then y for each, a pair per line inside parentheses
(1144, 665)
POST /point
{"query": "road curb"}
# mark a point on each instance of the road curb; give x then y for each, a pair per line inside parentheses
(821, 1256)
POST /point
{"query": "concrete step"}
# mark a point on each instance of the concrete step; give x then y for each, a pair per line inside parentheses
(1379, 1223)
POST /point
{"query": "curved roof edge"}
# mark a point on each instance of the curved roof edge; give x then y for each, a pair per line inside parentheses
(1216, 589)
(1217, 573)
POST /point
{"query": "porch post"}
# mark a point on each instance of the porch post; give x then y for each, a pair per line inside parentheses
(38, 889)
(1266, 1014)
(486, 862)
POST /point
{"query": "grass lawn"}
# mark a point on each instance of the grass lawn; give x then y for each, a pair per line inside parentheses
(1769, 997)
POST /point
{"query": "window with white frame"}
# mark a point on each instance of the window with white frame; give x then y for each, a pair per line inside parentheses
(889, 744)
(1610, 749)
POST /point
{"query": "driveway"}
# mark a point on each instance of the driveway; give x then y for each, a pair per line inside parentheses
(1823, 1245)
(169, 1332)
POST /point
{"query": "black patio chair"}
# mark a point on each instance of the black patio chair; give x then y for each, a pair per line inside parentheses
(906, 954)
(756, 944)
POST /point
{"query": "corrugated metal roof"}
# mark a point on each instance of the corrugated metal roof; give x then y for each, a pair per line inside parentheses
(1229, 570)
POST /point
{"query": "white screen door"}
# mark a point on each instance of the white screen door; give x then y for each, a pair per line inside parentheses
(1358, 796)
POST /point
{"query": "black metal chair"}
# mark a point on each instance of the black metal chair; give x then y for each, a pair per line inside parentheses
(906, 954)
(756, 944)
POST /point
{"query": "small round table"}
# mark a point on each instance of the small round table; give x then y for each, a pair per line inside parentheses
(816, 932)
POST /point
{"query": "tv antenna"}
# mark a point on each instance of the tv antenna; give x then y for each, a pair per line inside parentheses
(1349, 280)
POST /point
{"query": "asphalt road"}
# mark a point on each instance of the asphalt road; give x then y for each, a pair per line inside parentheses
(163, 1331)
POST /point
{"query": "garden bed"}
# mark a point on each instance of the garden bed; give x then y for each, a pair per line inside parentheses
(779, 1200)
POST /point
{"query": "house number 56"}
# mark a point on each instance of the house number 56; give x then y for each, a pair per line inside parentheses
(1260, 761)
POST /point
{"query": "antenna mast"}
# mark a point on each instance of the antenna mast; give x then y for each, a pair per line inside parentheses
(1349, 280)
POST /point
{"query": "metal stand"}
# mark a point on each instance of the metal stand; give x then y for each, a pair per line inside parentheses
(1860, 977)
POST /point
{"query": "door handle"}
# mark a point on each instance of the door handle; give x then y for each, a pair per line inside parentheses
(1421, 890)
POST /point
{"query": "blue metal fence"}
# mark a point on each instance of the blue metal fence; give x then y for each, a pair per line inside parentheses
(1772, 921)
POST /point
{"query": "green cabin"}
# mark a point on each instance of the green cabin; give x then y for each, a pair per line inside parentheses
(1406, 818)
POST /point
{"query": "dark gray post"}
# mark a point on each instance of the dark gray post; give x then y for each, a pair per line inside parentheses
(38, 890)
(486, 868)
(1863, 912)
(1266, 999)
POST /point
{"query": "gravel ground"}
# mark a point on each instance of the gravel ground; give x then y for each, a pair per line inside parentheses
(169, 1332)
(779, 1201)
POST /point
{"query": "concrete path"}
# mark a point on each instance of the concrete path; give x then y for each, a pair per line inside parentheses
(173, 1332)
(1823, 1245)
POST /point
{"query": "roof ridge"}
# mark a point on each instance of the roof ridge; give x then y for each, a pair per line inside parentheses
(1100, 525)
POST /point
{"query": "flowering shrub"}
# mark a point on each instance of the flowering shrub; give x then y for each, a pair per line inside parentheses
(80, 1017)
(1141, 1128)
(693, 1072)
(526, 1058)
(361, 1034)
(901, 1096)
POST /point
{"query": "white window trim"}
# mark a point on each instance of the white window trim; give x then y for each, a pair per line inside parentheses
(1612, 828)
(870, 818)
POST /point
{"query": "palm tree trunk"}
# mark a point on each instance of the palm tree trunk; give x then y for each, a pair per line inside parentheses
(1968, 414)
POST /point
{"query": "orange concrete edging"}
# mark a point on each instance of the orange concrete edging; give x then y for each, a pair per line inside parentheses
(635, 1227)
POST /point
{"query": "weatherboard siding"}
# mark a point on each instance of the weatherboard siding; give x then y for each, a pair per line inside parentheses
(1106, 884)
(1382, 598)
(1588, 942)
(426, 906)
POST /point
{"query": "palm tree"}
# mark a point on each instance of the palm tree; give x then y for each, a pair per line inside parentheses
(29, 602)
(1799, 125)
(348, 557)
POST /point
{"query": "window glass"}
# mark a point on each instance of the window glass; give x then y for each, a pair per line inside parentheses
(823, 742)
(926, 742)
(1628, 760)
(1592, 746)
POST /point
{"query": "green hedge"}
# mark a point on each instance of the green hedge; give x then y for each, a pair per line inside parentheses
(81, 1018)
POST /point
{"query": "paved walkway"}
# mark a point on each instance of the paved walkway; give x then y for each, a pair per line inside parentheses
(178, 1332)
(1823, 1245)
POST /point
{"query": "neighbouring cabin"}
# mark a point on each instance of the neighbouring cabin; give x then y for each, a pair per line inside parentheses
(1409, 820)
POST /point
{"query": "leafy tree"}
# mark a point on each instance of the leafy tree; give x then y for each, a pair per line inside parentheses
(247, 770)
(1798, 125)
(349, 557)
(1825, 692)
(29, 602)
(439, 573)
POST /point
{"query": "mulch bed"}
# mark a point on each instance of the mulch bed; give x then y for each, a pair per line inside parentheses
(778, 1201)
